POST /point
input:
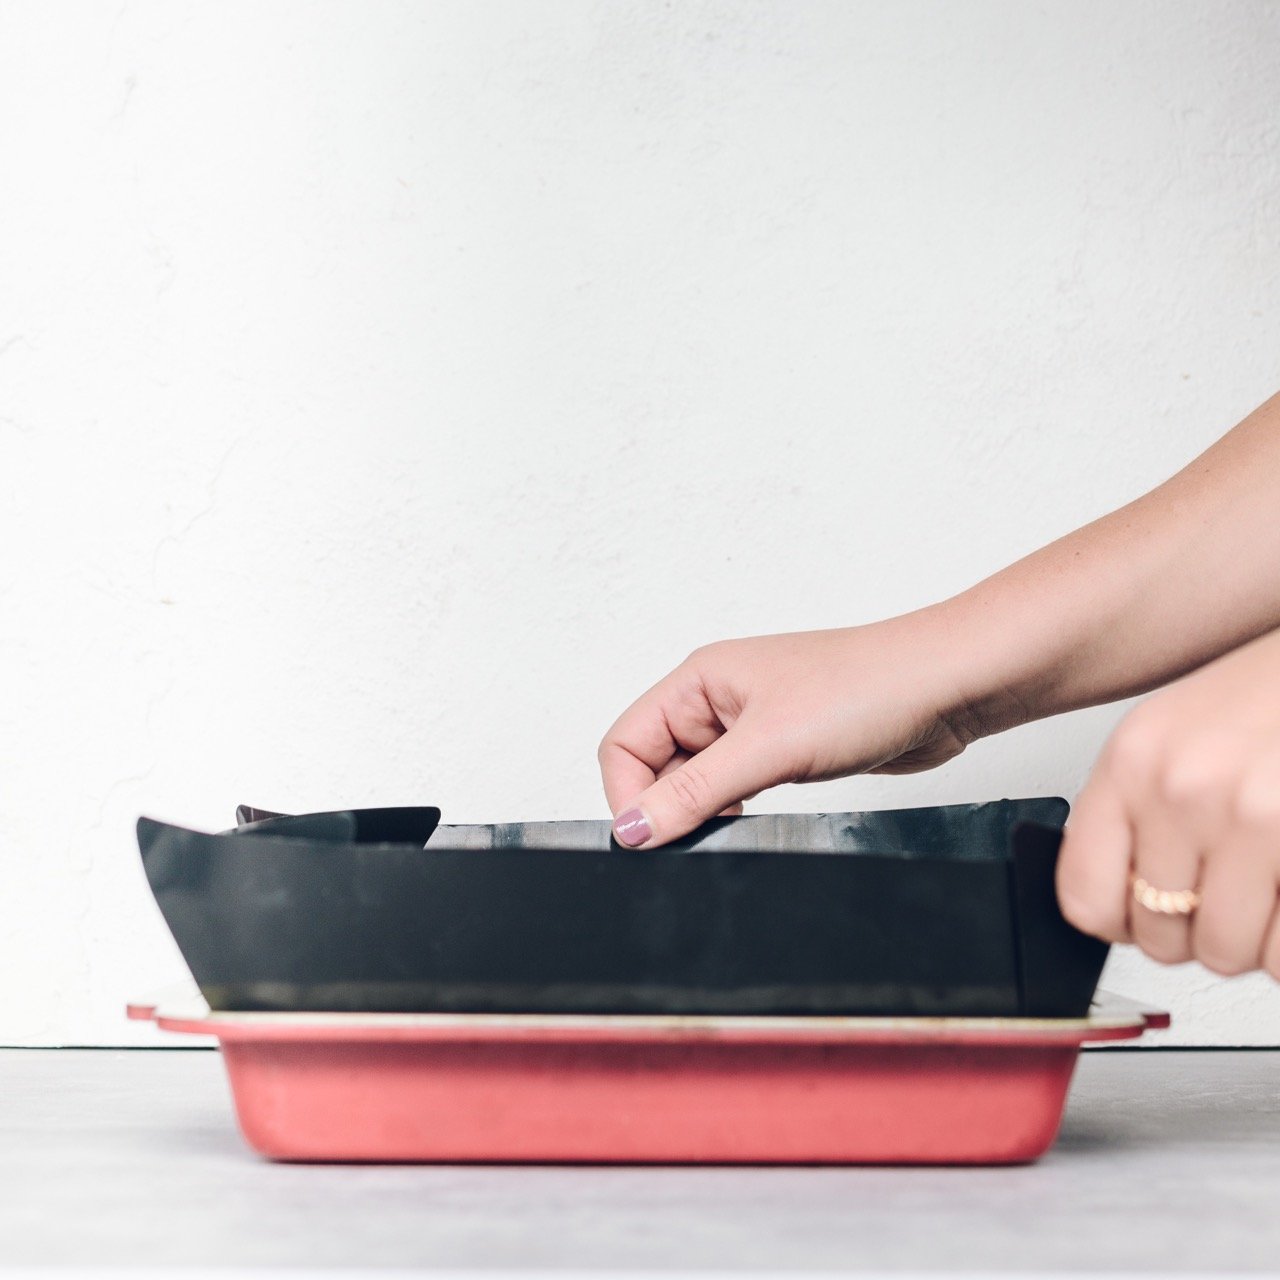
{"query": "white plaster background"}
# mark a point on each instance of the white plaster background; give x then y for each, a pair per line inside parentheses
(389, 392)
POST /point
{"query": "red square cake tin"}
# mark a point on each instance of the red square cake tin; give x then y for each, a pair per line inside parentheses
(536, 1088)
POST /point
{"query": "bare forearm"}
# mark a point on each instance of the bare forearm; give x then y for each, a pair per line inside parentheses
(1138, 598)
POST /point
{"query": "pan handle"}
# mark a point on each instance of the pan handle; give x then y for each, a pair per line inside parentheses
(1109, 1002)
(176, 995)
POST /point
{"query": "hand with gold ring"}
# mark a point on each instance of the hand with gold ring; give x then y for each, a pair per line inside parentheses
(1175, 841)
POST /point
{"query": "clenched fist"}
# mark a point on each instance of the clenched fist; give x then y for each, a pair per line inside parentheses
(1186, 797)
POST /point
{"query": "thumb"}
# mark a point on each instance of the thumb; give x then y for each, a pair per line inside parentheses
(715, 779)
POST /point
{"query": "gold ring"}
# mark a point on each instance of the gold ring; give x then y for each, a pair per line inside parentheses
(1165, 902)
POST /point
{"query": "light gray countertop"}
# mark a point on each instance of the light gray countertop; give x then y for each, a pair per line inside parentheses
(1168, 1160)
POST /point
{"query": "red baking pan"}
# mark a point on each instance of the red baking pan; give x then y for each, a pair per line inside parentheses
(620, 1089)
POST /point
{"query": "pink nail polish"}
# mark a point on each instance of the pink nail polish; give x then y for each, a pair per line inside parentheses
(631, 828)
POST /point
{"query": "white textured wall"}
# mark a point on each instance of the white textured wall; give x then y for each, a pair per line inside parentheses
(390, 391)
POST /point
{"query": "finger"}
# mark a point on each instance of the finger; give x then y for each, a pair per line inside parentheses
(1093, 867)
(674, 716)
(1238, 899)
(1255, 845)
(714, 780)
(678, 757)
(1271, 947)
(624, 775)
(1167, 856)
(733, 811)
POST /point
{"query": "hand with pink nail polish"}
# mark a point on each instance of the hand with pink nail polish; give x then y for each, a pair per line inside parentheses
(738, 717)
(1175, 843)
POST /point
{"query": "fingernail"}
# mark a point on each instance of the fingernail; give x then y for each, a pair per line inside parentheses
(632, 828)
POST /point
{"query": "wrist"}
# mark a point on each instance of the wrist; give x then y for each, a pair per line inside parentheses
(990, 690)
(970, 677)
(1032, 642)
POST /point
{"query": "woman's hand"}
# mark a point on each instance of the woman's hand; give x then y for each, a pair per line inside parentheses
(1186, 795)
(743, 715)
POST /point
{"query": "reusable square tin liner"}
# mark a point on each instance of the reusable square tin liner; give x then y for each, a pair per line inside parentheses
(937, 912)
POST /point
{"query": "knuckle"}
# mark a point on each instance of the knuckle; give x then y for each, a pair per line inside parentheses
(1194, 777)
(1135, 748)
(690, 791)
(705, 654)
(1256, 801)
